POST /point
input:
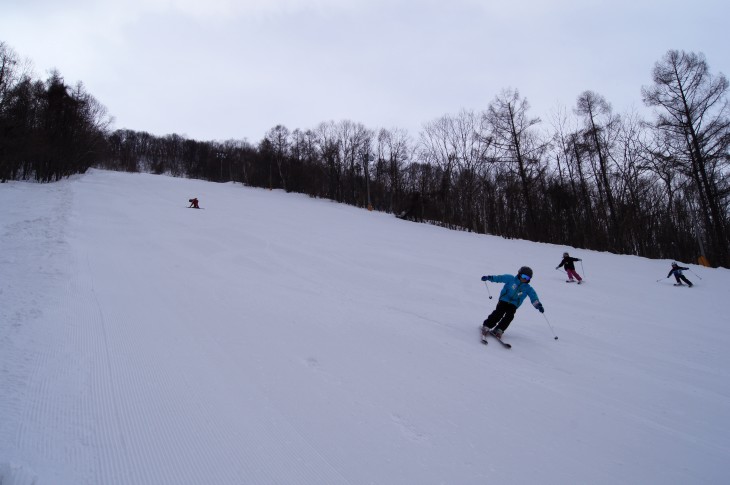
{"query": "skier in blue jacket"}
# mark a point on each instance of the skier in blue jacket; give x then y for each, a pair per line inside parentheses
(677, 272)
(515, 290)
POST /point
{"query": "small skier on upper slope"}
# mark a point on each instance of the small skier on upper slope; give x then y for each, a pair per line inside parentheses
(677, 272)
(515, 290)
(568, 262)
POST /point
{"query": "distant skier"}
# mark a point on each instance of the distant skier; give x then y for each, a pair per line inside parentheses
(515, 290)
(568, 263)
(677, 272)
(411, 210)
(193, 203)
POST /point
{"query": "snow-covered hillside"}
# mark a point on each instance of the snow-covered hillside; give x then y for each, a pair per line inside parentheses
(272, 338)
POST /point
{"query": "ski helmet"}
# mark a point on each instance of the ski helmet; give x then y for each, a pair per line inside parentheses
(525, 270)
(565, 254)
(675, 264)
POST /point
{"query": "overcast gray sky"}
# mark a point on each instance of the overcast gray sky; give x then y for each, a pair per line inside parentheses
(220, 69)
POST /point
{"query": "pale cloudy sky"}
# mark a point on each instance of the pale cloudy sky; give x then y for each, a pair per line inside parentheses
(220, 69)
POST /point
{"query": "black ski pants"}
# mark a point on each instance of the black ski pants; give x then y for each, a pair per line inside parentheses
(502, 316)
(682, 278)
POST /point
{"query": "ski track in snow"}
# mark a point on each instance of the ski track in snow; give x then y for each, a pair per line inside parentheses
(278, 339)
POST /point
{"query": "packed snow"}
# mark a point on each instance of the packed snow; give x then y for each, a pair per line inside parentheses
(273, 338)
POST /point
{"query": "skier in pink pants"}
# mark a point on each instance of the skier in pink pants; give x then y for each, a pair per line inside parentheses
(569, 265)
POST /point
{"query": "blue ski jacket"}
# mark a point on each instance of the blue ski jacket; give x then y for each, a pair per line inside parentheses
(676, 271)
(515, 291)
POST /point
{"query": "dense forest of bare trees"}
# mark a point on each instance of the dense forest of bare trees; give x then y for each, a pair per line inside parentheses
(589, 178)
(48, 130)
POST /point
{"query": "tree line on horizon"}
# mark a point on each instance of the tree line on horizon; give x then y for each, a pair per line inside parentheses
(48, 130)
(589, 178)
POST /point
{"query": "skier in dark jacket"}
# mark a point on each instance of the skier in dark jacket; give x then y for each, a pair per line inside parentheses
(193, 203)
(514, 292)
(568, 263)
(677, 272)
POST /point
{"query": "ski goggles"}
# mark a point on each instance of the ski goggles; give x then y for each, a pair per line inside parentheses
(525, 277)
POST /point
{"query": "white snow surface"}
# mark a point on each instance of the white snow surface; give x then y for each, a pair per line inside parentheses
(273, 338)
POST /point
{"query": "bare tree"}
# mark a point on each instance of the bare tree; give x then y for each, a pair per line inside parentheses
(517, 145)
(329, 153)
(13, 70)
(600, 130)
(575, 197)
(15, 85)
(278, 137)
(393, 148)
(353, 143)
(693, 123)
(458, 146)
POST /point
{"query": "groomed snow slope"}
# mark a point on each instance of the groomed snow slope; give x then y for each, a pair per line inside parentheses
(272, 338)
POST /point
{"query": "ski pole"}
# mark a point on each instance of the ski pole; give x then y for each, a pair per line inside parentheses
(551, 327)
(700, 277)
(581, 268)
(659, 280)
(490, 293)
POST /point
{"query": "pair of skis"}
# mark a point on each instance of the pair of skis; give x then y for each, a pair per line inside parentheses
(489, 332)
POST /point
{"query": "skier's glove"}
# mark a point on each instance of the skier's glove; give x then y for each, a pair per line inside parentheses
(540, 308)
(557, 267)
(486, 278)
